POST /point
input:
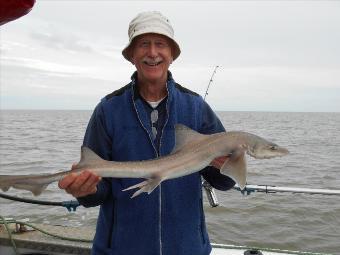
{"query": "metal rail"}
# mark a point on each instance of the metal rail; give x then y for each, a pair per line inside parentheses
(274, 189)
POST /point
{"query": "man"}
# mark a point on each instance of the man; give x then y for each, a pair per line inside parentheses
(137, 122)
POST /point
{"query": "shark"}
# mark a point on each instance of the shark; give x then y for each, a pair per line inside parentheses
(192, 152)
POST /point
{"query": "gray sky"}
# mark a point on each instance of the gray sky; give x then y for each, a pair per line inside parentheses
(274, 55)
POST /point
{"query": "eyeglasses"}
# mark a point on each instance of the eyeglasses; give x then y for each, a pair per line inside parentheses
(154, 119)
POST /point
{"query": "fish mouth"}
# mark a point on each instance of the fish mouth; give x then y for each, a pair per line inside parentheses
(280, 151)
(284, 151)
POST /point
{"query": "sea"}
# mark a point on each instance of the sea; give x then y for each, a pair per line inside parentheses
(37, 141)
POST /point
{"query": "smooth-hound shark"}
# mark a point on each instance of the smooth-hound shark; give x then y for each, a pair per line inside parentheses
(192, 152)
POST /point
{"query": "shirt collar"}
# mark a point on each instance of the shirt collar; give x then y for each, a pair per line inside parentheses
(136, 94)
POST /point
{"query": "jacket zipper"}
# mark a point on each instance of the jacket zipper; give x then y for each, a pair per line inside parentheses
(160, 188)
(160, 185)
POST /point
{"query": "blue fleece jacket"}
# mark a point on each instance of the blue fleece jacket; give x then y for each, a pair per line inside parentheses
(169, 221)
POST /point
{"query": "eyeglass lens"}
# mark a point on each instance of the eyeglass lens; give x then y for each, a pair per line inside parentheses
(154, 119)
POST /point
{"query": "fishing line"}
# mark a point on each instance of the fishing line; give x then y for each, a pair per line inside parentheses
(5, 223)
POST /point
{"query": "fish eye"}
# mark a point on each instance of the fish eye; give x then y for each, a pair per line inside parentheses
(273, 147)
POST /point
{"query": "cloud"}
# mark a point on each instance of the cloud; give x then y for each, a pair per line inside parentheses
(61, 41)
(38, 64)
(28, 87)
(273, 55)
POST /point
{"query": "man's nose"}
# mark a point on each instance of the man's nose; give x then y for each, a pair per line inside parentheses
(153, 50)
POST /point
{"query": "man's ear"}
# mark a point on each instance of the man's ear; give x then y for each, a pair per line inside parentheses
(132, 59)
(130, 55)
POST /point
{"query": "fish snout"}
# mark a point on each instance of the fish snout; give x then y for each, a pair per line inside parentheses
(271, 151)
(284, 151)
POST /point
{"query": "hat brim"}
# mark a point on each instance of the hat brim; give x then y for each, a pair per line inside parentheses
(175, 49)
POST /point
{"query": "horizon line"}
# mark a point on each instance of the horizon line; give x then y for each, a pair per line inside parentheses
(263, 111)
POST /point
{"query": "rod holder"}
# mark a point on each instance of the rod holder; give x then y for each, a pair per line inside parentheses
(211, 195)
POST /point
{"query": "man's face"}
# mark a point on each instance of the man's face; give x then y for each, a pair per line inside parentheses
(151, 54)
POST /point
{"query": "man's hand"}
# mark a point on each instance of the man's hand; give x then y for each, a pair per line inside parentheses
(218, 162)
(80, 184)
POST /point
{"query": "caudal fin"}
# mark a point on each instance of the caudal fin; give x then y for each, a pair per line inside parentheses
(33, 183)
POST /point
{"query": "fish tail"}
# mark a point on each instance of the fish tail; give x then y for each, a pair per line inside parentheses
(35, 184)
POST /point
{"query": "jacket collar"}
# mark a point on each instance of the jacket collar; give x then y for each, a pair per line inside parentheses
(136, 95)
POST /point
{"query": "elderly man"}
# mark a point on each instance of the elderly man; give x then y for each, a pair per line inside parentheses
(137, 122)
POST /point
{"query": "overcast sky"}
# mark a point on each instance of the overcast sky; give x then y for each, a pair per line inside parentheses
(273, 55)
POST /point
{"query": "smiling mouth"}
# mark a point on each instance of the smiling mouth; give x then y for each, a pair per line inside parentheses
(152, 63)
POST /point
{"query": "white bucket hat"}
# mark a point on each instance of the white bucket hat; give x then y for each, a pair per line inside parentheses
(151, 22)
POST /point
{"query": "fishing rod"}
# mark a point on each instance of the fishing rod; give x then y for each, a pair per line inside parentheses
(274, 189)
(211, 195)
(69, 205)
(209, 190)
(210, 81)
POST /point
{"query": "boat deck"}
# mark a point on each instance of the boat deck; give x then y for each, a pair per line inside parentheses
(36, 242)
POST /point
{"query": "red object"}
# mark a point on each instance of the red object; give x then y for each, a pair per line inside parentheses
(13, 9)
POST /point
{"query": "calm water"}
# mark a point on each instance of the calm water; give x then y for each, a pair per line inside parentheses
(47, 141)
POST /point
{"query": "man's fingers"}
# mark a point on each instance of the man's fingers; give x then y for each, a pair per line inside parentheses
(67, 181)
(218, 162)
(80, 180)
(91, 183)
(81, 184)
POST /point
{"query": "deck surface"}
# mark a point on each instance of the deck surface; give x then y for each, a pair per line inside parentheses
(37, 241)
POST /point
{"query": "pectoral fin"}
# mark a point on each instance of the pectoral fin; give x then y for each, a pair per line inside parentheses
(146, 186)
(236, 168)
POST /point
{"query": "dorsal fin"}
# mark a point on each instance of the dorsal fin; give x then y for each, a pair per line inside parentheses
(185, 135)
(88, 157)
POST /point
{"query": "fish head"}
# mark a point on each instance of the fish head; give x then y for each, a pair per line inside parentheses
(265, 150)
